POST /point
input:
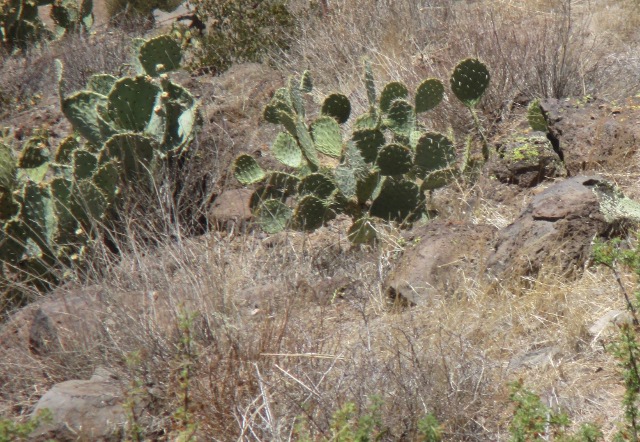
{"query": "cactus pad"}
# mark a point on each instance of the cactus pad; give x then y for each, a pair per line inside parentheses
(337, 106)
(133, 151)
(81, 110)
(429, 94)
(7, 168)
(437, 179)
(392, 91)
(317, 184)
(101, 83)
(84, 164)
(306, 142)
(327, 136)
(366, 121)
(398, 200)
(65, 150)
(282, 184)
(309, 214)
(159, 55)
(280, 102)
(434, 151)
(247, 170)
(394, 159)
(368, 142)
(132, 101)
(401, 118)
(273, 216)
(469, 81)
(362, 231)
(306, 82)
(286, 150)
(536, 118)
(369, 84)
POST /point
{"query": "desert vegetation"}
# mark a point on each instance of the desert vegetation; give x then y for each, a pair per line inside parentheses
(216, 219)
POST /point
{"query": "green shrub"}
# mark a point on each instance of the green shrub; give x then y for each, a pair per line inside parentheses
(239, 31)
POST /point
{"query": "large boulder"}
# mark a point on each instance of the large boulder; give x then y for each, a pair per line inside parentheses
(441, 255)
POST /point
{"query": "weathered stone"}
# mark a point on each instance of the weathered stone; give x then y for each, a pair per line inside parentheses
(83, 410)
(593, 135)
(441, 257)
(231, 209)
(556, 228)
(526, 161)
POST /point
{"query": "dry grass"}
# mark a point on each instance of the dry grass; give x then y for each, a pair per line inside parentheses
(293, 325)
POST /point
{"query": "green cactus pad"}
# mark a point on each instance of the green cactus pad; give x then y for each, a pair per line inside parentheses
(309, 214)
(469, 81)
(13, 237)
(265, 193)
(283, 183)
(133, 151)
(369, 84)
(536, 118)
(337, 106)
(7, 168)
(81, 110)
(392, 91)
(362, 231)
(317, 184)
(247, 170)
(366, 121)
(368, 142)
(286, 150)
(107, 178)
(180, 120)
(160, 55)
(84, 164)
(35, 153)
(438, 178)
(8, 206)
(398, 200)
(306, 82)
(289, 123)
(280, 102)
(434, 151)
(132, 101)
(61, 192)
(352, 169)
(38, 214)
(306, 143)
(64, 153)
(429, 94)
(401, 118)
(394, 159)
(366, 186)
(327, 136)
(88, 204)
(101, 83)
(273, 216)
(296, 98)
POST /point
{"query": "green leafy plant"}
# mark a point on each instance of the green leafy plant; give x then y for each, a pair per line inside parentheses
(11, 431)
(50, 204)
(237, 31)
(21, 26)
(532, 420)
(379, 172)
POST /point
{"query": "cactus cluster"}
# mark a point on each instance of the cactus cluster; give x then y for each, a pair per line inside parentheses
(21, 26)
(380, 171)
(49, 203)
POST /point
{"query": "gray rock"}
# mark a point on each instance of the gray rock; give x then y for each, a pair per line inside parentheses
(83, 410)
(231, 209)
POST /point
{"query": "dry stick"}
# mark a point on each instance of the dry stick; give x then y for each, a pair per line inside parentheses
(303, 355)
(630, 306)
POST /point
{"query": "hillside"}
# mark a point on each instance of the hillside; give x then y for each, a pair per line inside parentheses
(199, 295)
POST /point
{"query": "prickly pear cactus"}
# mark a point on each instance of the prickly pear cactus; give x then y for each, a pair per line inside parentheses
(384, 166)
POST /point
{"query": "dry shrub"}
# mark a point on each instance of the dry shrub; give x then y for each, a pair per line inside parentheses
(554, 48)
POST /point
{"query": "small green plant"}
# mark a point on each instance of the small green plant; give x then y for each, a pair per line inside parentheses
(21, 26)
(380, 171)
(11, 431)
(532, 420)
(627, 348)
(238, 31)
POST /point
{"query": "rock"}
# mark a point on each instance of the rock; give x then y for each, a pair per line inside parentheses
(612, 317)
(556, 228)
(526, 161)
(441, 255)
(83, 410)
(593, 135)
(231, 209)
